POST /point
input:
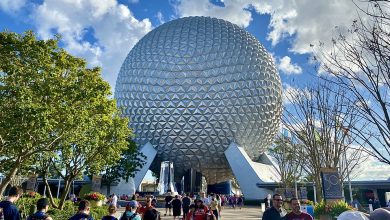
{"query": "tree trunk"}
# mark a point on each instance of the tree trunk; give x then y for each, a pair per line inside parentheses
(9, 177)
(108, 189)
(49, 192)
(318, 187)
(68, 182)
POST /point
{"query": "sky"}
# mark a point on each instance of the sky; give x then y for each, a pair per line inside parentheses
(104, 31)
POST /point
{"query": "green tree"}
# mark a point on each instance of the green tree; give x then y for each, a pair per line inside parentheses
(31, 110)
(50, 102)
(130, 162)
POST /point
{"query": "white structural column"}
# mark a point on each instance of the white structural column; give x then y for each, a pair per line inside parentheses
(249, 173)
(150, 153)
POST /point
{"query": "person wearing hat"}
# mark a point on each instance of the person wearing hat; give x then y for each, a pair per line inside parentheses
(201, 210)
(131, 211)
(42, 207)
(380, 214)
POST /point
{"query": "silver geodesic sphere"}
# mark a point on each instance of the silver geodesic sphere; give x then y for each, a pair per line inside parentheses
(194, 85)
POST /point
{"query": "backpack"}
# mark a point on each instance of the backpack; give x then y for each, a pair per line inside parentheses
(34, 217)
(108, 217)
(124, 217)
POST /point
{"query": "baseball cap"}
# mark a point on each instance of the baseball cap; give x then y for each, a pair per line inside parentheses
(133, 204)
(380, 214)
(355, 215)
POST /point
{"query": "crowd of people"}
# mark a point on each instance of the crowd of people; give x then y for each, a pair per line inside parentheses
(186, 207)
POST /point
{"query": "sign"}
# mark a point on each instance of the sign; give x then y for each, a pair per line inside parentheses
(31, 181)
(303, 193)
(96, 183)
(331, 184)
(289, 193)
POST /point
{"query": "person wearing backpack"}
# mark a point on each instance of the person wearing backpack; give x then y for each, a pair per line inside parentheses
(131, 211)
(42, 207)
(111, 211)
(8, 210)
(83, 213)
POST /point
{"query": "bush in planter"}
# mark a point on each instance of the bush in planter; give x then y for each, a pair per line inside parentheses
(332, 209)
(27, 203)
(94, 196)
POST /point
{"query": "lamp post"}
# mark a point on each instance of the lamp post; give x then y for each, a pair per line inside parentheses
(346, 130)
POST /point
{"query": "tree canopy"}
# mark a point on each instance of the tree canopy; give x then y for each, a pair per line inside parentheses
(51, 102)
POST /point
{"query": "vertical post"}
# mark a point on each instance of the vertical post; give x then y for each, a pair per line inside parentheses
(296, 187)
(59, 186)
(44, 190)
(349, 180)
(315, 192)
(346, 130)
(191, 179)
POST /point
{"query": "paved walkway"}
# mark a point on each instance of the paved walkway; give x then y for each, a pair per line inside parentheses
(246, 213)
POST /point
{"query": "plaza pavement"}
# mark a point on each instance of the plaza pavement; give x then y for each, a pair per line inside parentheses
(248, 212)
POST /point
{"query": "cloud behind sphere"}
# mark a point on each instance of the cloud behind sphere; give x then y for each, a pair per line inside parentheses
(194, 85)
(97, 32)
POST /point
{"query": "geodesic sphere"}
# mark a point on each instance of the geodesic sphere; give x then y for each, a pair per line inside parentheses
(194, 85)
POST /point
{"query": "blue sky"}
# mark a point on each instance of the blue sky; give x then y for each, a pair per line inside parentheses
(104, 31)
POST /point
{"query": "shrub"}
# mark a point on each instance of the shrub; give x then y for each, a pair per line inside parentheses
(333, 209)
(96, 196)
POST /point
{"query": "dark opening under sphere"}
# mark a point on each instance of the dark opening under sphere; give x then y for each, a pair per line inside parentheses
(194, 85)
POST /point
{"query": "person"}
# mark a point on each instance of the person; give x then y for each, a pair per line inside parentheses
(376, 204)
(388, 203)
(240, 201)
(210, 216)
(296, 213)
(186, 202)
(191, 212)
(148, 205)
(83, 212)
(176, 207)
(380, 214)
(42, 207)
(201, 210)
(111, 213)
(205, 198)
(130, 212)
(267, 201)
(275, 212)
(114, 200)
(9, 210)
(214, 207)
(151, 214)
(154, 201)
(355, 203)
(168, 204)
(352, 215)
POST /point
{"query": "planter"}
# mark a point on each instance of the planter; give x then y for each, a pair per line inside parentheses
(95, 203)
(326, 217)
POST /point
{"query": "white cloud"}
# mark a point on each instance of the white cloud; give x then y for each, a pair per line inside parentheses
(235, 11)
(160, 17)
(287, 67)
(11, 5)
(309, 22)
(373, 170)
(102, 33)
